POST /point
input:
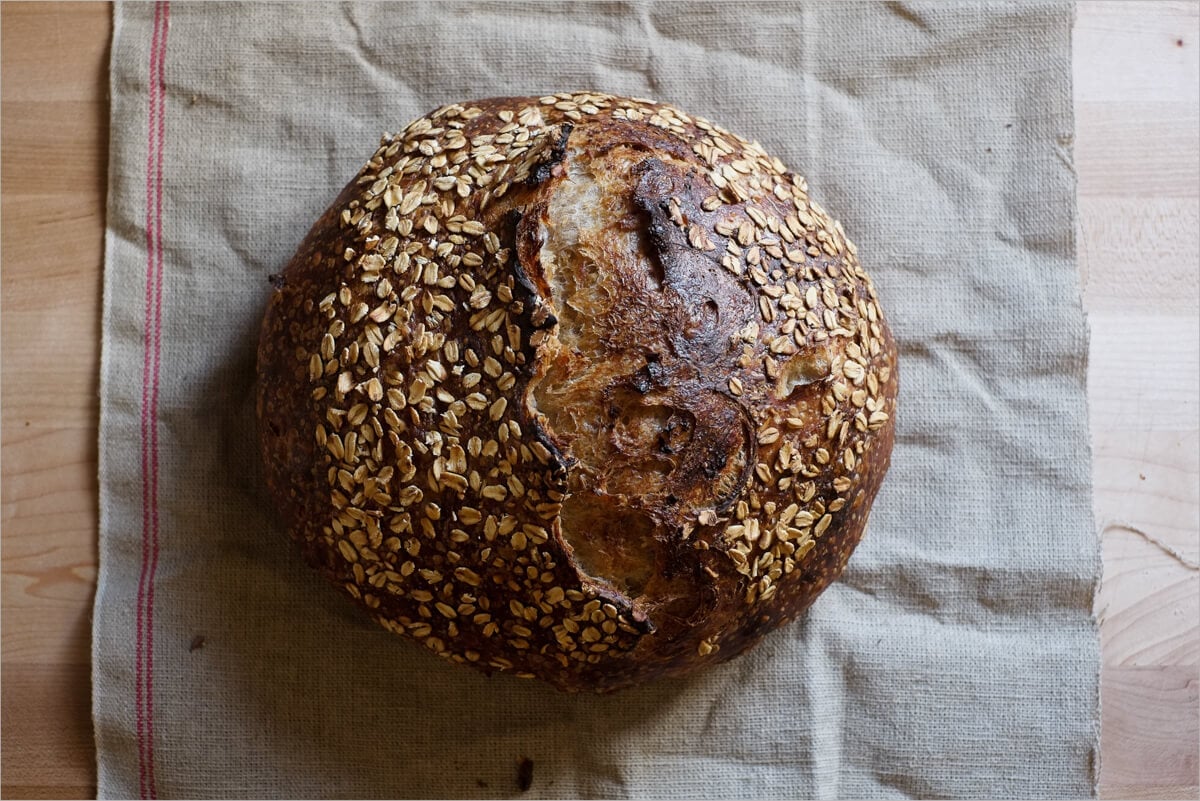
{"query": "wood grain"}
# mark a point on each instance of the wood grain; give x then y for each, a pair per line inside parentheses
(1137, 80)
(1107, 132)
(54, 134)
(1140, 377)
(1120, 235)
(53, 757)
(1137, 74)
(1157, 710)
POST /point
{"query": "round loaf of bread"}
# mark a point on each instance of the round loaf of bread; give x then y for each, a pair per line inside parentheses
(580, 387)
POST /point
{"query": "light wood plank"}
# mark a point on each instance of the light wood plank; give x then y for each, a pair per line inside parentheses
(54, 130)
(1148, 606)
(1150, 479)
(1136, 70)
(1150, 736)
(1137, 255)
(1143, 373)
(45, 48)
(47, 141)
(1137, 148)
(1128, 50)
(1149, 601)
(49, 751)
(68, 381)
(65, 219)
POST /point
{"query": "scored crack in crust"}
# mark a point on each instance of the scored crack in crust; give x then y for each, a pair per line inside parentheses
(579, 387)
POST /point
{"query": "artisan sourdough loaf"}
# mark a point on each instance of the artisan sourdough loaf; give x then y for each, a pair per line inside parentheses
(579, 387)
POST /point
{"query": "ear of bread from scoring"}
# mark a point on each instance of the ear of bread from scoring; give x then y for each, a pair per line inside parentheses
(578, 387)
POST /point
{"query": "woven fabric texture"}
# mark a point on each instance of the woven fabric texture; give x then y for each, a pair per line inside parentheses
(957, 657)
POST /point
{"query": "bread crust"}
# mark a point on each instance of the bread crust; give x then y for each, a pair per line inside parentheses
(578, 387)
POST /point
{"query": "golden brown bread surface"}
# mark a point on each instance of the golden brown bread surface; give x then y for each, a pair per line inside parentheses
(578, 387)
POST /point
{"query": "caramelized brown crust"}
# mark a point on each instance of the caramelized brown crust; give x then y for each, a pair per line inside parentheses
(579, 387)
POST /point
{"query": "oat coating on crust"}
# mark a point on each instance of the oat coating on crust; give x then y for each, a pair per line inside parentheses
(579, 387)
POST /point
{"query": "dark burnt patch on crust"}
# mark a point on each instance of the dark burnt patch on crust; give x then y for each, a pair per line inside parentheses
(554, 154)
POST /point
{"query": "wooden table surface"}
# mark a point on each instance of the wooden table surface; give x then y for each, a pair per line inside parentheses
(1137, 152)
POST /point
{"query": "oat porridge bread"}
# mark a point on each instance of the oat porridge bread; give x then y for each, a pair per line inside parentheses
(579, 387)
